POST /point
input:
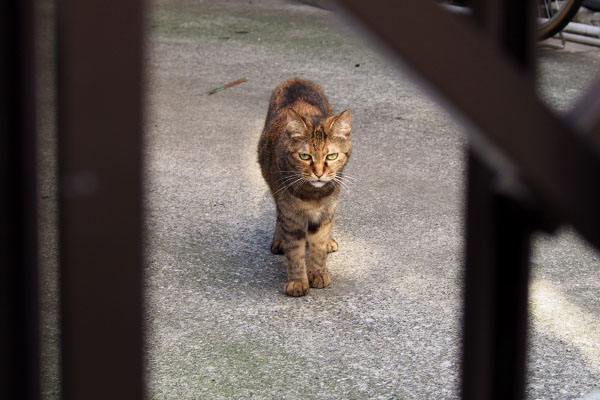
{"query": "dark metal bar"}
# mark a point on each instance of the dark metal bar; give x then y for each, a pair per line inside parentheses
(100, 144)
(498, 230)
(496, 281)
(19, 308)
(494, 93)
(499, 223)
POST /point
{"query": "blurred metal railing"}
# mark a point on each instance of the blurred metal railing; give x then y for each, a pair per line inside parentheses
(528, 168)
(19, 350)
(99, 101)
(100, 172)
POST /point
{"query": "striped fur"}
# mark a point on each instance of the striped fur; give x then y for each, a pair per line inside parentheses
(302, 152)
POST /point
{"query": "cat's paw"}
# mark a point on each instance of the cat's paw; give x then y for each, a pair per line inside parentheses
(277, 247)
(319, 280)
(332, 246)
(296, 288)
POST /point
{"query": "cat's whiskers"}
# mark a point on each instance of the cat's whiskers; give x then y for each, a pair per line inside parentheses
(292, 179)
(286, 187)
(345, 181)
(349, 177)
(287, 184)
(303, 180)
(341, 183)
(287, 179)
(337, 180)
(289, 175)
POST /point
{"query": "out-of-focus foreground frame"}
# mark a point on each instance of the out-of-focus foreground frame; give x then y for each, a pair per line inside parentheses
(19, 350)
(100, 172)
(99, 102)
(528, 169)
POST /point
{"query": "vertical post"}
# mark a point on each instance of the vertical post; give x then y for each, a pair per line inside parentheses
(497, 258)
(497, 242)
(19, 347)
(100, 145)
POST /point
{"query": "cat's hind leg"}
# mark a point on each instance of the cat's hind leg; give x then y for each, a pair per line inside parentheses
(332, 246)
(277, 243)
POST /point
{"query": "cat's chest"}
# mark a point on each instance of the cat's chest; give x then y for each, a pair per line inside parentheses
(314, 216)
(315, 212)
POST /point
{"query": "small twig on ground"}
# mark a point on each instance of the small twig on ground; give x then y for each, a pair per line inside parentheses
(227, 85)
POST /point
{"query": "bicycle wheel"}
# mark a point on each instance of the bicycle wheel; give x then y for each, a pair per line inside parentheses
(554, 15)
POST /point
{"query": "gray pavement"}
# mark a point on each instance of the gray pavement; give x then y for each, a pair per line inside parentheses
(388, 327)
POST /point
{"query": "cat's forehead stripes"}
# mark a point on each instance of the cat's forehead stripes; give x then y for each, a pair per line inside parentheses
(319, 137)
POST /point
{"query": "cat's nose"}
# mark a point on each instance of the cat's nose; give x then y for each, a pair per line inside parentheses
(319, 174)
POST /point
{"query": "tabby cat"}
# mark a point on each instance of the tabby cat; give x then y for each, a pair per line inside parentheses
(302, 152)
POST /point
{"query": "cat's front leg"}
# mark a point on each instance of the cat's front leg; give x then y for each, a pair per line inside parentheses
(294, 244)
(319, 237)
(277, 243)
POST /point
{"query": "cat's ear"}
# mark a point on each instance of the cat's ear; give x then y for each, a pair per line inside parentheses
(341, 124)
(296, 127)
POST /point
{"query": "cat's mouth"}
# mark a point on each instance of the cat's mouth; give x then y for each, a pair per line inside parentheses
(319, 183)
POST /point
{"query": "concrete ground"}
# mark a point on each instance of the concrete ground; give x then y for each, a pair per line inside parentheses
(388, 327)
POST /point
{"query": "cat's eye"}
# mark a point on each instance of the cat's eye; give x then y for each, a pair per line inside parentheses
(305, 156)
(332, 156)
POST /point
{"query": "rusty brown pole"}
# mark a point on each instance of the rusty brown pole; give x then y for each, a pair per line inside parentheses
(100, 142)
(500, 218)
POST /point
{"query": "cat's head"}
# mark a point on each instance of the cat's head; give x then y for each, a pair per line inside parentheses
(318, 149)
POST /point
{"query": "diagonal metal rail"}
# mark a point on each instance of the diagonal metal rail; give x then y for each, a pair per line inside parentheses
(463, 65)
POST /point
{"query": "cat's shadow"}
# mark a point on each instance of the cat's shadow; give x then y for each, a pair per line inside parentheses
(237, 254)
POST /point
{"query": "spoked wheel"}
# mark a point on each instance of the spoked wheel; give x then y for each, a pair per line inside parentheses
(554, 15)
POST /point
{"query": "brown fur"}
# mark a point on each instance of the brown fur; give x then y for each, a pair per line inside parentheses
(300, 122)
